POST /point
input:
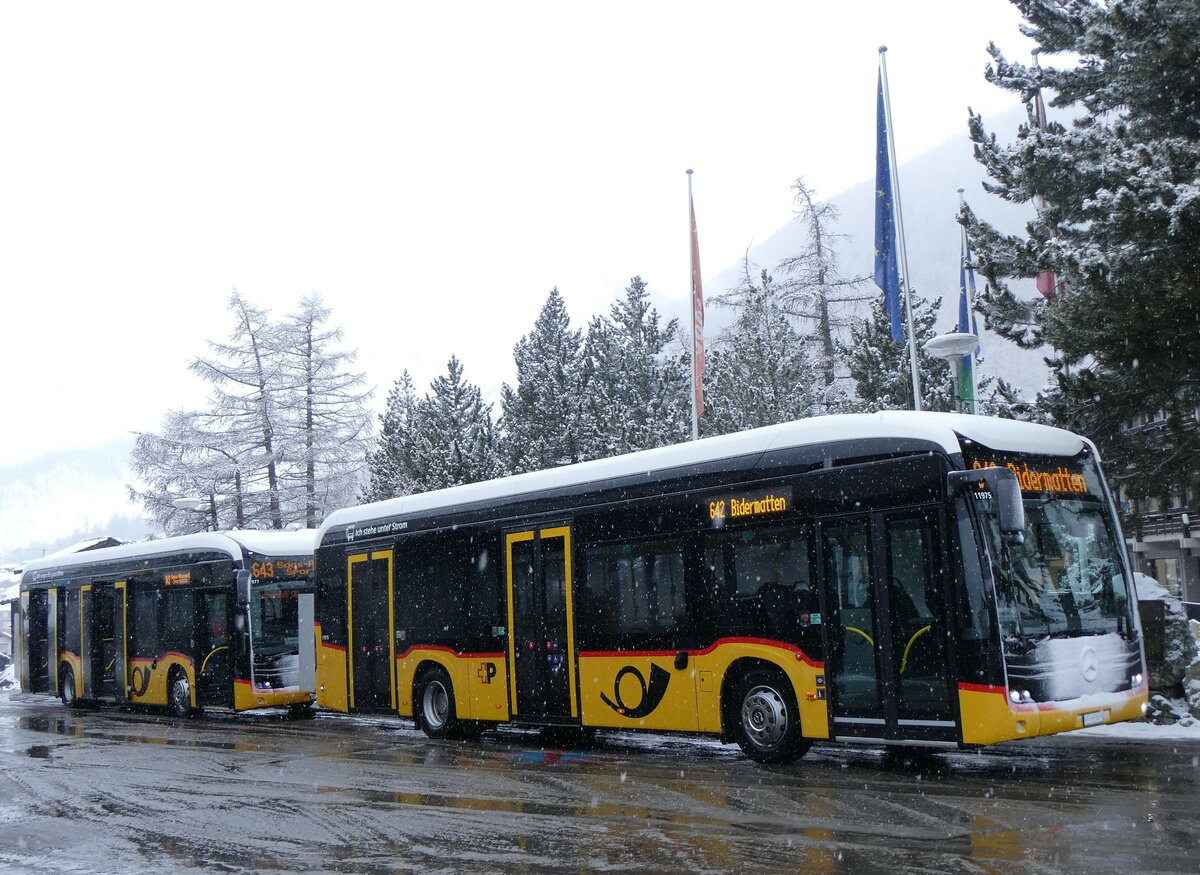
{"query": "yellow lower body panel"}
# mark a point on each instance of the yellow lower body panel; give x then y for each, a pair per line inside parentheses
(148, 678)
(988, 717)
(480, 681)
(644, 690)
(247, 697)
(331, 677)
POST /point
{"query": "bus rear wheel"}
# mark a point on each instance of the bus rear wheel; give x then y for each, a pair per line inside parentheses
(179, 694)
(434, 699)
(766, 719)
(66, 687)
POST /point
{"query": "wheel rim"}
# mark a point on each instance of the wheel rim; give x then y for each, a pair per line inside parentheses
(435, 705)
(764, 717)
(181, 694)
(68, 688)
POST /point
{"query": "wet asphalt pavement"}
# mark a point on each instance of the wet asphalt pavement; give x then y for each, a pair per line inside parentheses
(119, 791)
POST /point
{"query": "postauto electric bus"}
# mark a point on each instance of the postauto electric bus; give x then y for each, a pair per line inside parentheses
(936, 580)
(220, 619)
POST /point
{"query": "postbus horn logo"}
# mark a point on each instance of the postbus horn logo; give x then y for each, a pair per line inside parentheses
(652, 694)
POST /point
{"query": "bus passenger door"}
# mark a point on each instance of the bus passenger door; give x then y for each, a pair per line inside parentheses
(888, 672)
(214, 675)
(96, 640)
(35, 664)
(120, 653)
(854, 671)
(370, 648)
(541, 633)
(916, 587)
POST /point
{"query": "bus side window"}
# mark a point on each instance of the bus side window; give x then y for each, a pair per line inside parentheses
(145, 621)
(635, 593)
(760, 580)
(431, 588)
(484, 605)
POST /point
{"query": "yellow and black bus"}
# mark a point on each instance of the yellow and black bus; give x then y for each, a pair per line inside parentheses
(935, 580)
(216, 619)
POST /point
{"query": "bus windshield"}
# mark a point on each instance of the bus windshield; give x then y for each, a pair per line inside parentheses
(1067, 578)
(274, 619)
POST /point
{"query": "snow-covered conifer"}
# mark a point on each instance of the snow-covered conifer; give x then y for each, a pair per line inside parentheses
(638, 384)
(325, 423)
(456, 441)
(814, 290)
(246, 375)
(1119, 226)
(879, 366)
(759, 372)
(541, 417)
(393, 464)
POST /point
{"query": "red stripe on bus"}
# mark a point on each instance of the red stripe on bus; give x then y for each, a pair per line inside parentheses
(981, 688)
(441, 649)
(765, 642)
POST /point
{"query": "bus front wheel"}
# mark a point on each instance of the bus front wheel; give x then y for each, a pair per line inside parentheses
(766, 719)
(434, 698)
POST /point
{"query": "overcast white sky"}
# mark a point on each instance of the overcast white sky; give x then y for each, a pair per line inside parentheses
(432, 171)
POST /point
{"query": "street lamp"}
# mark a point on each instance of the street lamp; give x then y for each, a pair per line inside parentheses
(954, 347)
(206, 504)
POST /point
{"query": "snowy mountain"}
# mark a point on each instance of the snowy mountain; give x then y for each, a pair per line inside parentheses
(51, 502)
(929, 187)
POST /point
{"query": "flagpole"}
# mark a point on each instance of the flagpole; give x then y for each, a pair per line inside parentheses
(693, 270)
(912, 341)
(968, 363)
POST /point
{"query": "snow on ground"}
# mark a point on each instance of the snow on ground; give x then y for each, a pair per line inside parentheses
(1147, 731)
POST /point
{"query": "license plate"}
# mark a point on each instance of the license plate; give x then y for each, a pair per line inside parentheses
(1095, 718)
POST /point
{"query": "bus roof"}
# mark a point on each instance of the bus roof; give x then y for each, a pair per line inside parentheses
(232, 544)
(940, 430)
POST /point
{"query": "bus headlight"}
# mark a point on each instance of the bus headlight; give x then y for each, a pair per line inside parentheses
(1015, 695)
(1136, 680)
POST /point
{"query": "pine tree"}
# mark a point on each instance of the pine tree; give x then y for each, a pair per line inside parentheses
(246, 376)
(1120, 227)
(638, 384)
(814, 289)
(324, 422)
(393, 465)
(880, 367)
(759, 372)
(541, 418)
(456, 443)
(189, 459)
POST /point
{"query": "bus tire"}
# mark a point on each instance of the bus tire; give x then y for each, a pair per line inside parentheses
(433, 695)
(766, 719)
(66, 686)
(179, 694)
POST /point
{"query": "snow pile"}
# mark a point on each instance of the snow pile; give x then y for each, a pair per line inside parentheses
(1150, 590)
(8, 677)
(1177, 669)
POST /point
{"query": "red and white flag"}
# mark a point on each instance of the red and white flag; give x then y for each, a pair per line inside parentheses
(697, 312)
(1046, 282)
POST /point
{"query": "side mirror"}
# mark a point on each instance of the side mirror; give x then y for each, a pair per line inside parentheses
(243, 587)
(1006, 493)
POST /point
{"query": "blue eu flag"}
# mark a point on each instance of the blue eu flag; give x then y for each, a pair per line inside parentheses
(887, 274)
